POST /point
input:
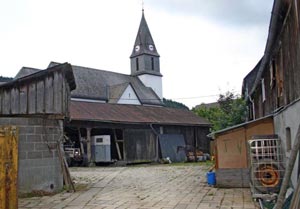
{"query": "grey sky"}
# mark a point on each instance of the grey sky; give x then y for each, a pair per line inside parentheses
(206, 46)
(243, 13)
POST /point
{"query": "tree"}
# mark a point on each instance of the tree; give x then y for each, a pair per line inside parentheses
(231, 110)
(174, 104)
(5, 79)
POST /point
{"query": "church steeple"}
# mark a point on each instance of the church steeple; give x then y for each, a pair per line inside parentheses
(144, 57)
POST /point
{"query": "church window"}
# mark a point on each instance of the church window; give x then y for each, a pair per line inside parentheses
(152, 63)
(137, 64)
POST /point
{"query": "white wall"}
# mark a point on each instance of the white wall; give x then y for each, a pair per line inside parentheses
(129, 97)
(288, 117)
(155, 82)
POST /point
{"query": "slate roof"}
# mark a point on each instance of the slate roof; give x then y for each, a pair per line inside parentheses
(133, 114)
(25, 71)
(144, 39)
(116, 91)
(24, 77)
(95, 84)
(249, 80)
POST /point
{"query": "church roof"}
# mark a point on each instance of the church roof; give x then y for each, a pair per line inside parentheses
(144, 40)
(116, 91)
(26, 71)
(133, 114)
(97, 84)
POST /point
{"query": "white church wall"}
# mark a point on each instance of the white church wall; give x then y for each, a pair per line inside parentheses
(155, 82)
(129, 97)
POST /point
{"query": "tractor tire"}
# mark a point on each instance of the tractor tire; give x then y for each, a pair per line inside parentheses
(266, 176)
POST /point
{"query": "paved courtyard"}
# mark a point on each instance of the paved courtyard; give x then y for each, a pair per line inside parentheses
(153, 187)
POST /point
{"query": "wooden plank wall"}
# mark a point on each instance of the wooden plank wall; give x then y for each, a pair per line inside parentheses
(284, 63)
(46, 95)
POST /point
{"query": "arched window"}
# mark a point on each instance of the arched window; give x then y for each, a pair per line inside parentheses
(152, 63)
(137, 64)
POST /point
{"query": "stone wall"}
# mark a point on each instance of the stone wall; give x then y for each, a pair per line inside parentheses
(288, 118)
(39, 166)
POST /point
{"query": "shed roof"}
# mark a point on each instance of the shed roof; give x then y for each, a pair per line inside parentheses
(213, 134)
(133, 114)
(28, 75)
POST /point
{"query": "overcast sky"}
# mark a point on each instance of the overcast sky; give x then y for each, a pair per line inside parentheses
(206, 46)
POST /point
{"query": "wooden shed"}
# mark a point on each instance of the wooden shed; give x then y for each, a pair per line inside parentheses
(232, 167)
(37, 103)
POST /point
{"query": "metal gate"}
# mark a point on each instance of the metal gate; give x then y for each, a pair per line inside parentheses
(266, 161)
(8, 167)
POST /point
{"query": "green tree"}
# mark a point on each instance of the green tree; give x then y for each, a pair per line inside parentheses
(230, 111)
(174, 104)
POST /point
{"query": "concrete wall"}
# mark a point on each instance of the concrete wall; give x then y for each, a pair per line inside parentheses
(39, 167)
(288, 118)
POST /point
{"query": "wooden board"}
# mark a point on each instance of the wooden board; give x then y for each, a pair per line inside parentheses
(8, 167)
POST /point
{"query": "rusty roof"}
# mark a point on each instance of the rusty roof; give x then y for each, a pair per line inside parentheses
(133, 114)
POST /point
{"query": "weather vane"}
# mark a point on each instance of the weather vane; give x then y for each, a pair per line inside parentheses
(142, 5)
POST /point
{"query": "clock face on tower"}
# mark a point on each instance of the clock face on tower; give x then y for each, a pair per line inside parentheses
(151, 47)
(137, 48)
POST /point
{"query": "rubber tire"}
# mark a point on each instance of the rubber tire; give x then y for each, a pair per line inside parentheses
(271, 169)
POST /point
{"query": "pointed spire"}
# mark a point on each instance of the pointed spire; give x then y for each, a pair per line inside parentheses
(144, 43)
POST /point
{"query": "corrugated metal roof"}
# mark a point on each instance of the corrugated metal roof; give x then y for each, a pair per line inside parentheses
(132, 114)
(213, 134)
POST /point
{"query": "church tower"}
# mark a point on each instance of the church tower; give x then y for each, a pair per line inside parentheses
(145, 59)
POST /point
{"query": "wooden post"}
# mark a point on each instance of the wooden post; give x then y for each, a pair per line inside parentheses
(9, 167)
(124, 147)
(88, 145)
(81, 142)
(117, 145)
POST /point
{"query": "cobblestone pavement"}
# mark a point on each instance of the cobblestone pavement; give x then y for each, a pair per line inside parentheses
(153, 187)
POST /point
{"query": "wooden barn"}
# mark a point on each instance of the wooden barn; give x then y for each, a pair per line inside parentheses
(135, 130)
(273, 87)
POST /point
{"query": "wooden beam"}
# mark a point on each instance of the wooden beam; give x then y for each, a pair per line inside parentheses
(117, 145)
(81, 141)
(88, 145)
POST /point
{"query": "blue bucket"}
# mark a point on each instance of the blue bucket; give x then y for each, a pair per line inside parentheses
(211, 178)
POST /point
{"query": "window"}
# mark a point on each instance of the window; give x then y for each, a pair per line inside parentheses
(137, 64)
(272, 73)
(152, 63)
(288, 140)
(263, 90)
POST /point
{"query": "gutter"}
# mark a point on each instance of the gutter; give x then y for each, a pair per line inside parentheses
(270, 42)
